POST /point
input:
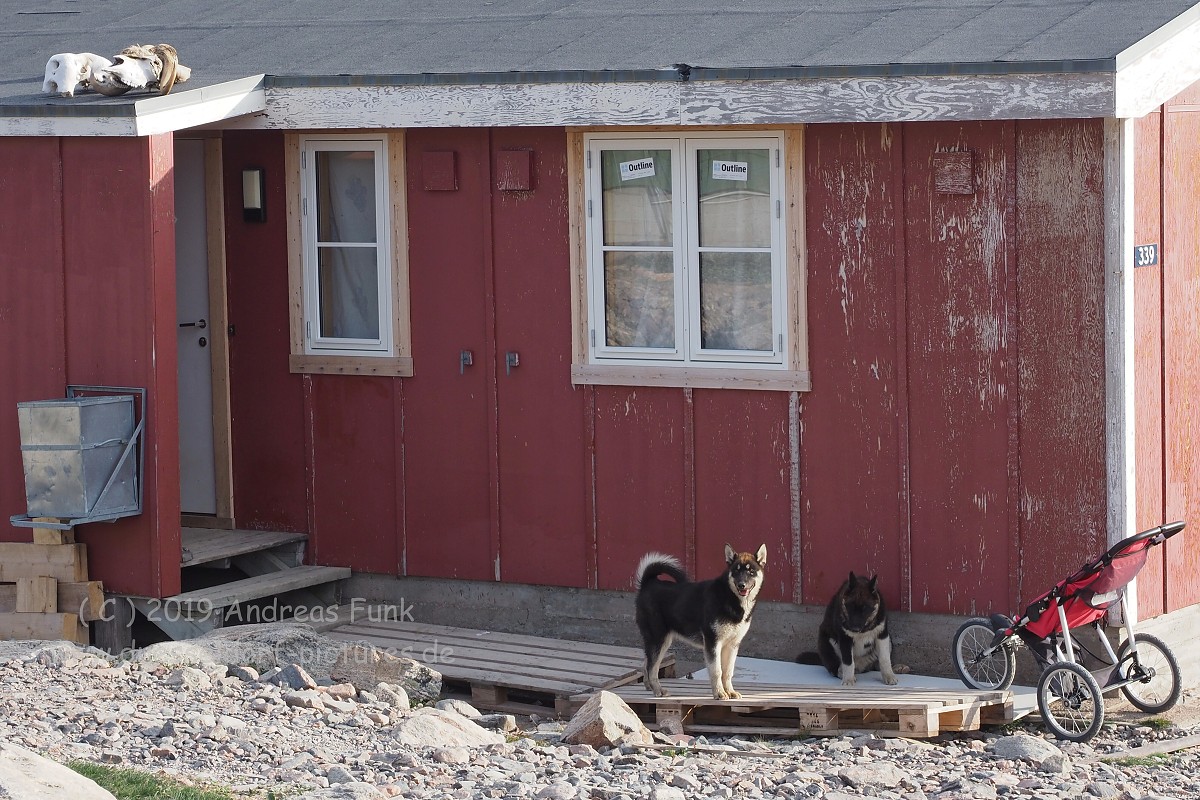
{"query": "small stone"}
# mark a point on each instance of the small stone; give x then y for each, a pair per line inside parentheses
(294, 676)
(452, 755)
(558, 791)
(605, 721)
(458, 707)
(189, 678)
(339, 774)
(246, 674)
(667, 793)
(304, 699)
(506, 723)
(341, 691)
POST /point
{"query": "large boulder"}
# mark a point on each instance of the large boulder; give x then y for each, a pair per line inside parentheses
(24, 775)
(434, 727)
(606, 721)
(367, 666)
(261, 646)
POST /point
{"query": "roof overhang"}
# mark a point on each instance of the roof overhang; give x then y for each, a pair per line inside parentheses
(150, 115)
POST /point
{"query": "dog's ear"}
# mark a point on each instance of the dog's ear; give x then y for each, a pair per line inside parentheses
(730, 555)
(853, 578)
(761, 555)
(871, 583)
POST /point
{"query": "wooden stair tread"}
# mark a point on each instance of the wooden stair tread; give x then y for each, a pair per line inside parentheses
(227, 594)
(205, 545)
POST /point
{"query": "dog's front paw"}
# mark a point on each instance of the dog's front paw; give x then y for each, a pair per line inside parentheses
(889, 679)
(733, 695)
(849, 680)
(661, 692)
(721, 694)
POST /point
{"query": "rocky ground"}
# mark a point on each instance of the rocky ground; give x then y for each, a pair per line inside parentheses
(273, 730)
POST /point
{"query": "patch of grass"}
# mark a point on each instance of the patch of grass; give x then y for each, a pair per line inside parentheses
(1158, 723)
(1137, 761)
(130, 784)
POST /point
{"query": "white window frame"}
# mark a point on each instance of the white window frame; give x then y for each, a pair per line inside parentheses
(314, 342)
(688, 353)
(390, 354)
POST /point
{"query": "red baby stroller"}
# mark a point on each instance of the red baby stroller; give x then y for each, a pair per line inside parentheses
(1069, 696)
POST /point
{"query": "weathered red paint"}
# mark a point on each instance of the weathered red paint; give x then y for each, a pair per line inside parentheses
(108, 285)
(1181, 376)
(743, 483)
(850, 491)
(1148, 358)
(449, 436)
(1060, 349)
(269, 429)
(544, 472)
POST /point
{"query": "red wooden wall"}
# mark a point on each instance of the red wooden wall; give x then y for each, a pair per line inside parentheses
(953, 441)
(87, 296)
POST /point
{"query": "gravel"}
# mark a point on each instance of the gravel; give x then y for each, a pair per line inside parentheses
(227, 727)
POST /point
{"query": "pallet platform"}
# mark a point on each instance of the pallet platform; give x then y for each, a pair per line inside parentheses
(772, 710)
(505, 672)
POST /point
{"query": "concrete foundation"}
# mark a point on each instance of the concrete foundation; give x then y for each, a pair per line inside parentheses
(780, 630)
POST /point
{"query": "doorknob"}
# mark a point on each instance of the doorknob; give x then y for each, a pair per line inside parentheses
(511, 359)
(200, 324)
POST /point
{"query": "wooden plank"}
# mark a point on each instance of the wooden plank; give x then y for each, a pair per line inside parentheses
(85, 599)
(37, 595)
(229, 594)
(205, 545)
(64, 562)
(51, 627)
(52, 535)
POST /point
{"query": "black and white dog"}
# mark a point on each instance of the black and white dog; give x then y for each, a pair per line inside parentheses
(713, 615)
(853, 636)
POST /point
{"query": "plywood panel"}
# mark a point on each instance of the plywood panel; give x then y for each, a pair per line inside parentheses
(355, 486)
(31, 299)
(543, 458)
(643, 492)
(269, 428)
(852, 490)
(959, 263)
(1181, 353)
(1147, 321)
(1060, 230)
(449, 433)
(121, 330)
(743, 482)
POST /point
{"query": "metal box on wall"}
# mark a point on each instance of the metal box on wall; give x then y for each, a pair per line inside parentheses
(75, 453)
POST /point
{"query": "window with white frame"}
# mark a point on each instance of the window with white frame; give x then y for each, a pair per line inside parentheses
(347, 271)
(686, 250)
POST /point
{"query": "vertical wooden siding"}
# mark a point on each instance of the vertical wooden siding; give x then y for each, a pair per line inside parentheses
(957, 361)
(1148, 358)
(89, 298)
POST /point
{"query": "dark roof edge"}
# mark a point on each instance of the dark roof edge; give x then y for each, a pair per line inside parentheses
(1157, 38)
(684, 72)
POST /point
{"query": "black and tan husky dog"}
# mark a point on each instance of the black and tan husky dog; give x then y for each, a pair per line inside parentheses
(853, 637)
(713, 615)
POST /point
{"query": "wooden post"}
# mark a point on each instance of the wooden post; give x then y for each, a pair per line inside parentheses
(112, 631)
(52, 535)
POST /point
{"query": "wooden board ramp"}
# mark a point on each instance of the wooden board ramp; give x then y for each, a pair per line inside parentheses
(776, 710)
(507, 672)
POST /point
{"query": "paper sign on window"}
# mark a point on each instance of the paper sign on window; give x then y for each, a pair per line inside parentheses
(642, 168)
(731, 170)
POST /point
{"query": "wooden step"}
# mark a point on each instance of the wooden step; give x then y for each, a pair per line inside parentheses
(216, 547)
(203, 601)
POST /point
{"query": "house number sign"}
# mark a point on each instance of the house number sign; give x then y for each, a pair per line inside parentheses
(1145, 255)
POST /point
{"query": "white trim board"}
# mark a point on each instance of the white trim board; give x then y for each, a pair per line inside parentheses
(1155, 77)
(152, 114)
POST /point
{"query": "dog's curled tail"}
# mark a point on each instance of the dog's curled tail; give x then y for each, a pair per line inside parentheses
(809, 657)
(654, 564)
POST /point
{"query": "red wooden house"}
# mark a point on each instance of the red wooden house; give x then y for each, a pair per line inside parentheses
(538, 287)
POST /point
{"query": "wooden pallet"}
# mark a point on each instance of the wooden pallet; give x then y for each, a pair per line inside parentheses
(505, 671)
(44, 588)
(772, 710)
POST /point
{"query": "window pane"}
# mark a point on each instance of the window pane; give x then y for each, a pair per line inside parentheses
(349, 292)
(345, 196)
(735, 197)
(639, 299)
(735, 301)
(637, 197)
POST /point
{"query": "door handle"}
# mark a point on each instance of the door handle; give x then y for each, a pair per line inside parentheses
(199, 324)
(511, 359)
(465, 359)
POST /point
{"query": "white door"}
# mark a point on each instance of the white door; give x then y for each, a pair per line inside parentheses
(197, 458)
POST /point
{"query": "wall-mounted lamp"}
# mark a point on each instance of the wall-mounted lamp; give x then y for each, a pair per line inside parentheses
(253, 192)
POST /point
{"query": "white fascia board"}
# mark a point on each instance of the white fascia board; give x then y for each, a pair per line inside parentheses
(1154, 77)
(902, 98)
(152, 114)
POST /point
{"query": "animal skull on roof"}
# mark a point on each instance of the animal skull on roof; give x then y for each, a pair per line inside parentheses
(141, 66)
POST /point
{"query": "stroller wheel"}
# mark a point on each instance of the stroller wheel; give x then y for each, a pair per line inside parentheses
(1070, 702)
(1157, 685)
(976, 662)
